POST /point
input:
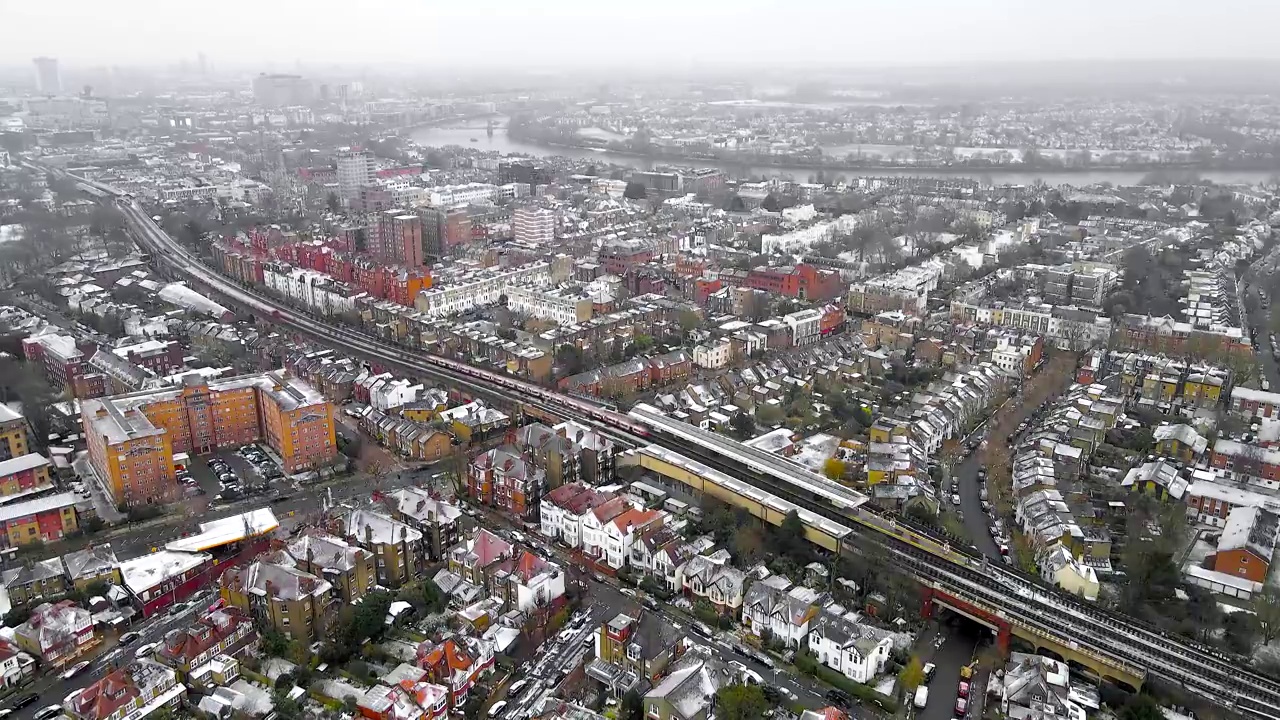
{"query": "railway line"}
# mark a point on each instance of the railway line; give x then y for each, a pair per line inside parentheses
(1123, 642)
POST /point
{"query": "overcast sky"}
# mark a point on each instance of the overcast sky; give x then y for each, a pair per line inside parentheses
(646, 33)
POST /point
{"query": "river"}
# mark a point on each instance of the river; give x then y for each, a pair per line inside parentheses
(462, 134)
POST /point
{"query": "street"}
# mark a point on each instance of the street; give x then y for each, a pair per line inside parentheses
(135, 539)
(959, 639)
(52, 689)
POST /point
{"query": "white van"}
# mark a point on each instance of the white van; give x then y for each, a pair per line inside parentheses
(922, 696)
(496, 709)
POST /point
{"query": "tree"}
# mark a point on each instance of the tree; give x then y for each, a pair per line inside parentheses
(769, 414)
(833, 468)
(912, 675)
(570, 358)
(771, 204)
(740, 702)
(634, 190)
(1266, 608)
(632, 707)
(689, 321)
(1142, 707)
(335, 203)
(285, 707)
(743, 426)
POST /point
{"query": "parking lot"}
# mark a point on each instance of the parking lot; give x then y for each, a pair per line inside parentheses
(227, 475)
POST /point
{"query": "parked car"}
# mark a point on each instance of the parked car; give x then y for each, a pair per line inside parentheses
(955, 499)
(145, 650)
(129, 638)
(76, 669)
(47, 712)
(962, 706)
(840, 698)
(929, 670)
(24, 700)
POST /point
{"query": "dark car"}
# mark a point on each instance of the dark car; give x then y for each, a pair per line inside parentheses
(24, 700)
(840, 697)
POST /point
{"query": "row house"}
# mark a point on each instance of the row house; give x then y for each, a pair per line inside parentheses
(564, 510)
(134, 690)
(1167, 336)
(503, 479)
(594, 523)
(406, 437)
(226, 631)
(621, 533)
(1250, 403)
(1250, 465)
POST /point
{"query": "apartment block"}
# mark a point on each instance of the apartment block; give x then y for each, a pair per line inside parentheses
(23, 475)
(398, 238)
(132, 438)
(13, 434)
(534, 226)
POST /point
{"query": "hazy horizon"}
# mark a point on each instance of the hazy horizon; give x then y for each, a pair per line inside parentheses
(659, 36)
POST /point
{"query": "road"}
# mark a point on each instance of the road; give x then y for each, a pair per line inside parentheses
(139, 538)
(959, 640)
(52, 689)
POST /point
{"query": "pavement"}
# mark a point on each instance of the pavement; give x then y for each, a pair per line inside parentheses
(52, 689)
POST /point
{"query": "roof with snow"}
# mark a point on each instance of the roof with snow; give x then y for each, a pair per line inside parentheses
(227, 530)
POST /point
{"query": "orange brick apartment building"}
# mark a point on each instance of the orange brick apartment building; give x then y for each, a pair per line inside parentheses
(132, 438)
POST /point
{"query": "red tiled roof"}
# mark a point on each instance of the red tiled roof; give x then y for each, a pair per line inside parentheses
(104, 697)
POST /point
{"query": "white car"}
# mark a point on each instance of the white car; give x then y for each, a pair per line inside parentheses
(47, 712)
(955, 499)
(76, 669)
(145, 650)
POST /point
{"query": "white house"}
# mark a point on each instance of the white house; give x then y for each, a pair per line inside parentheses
(805, 326)
(531, 582)
(857, 651)
(714, 356)
(593, 522)
(621, 532)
